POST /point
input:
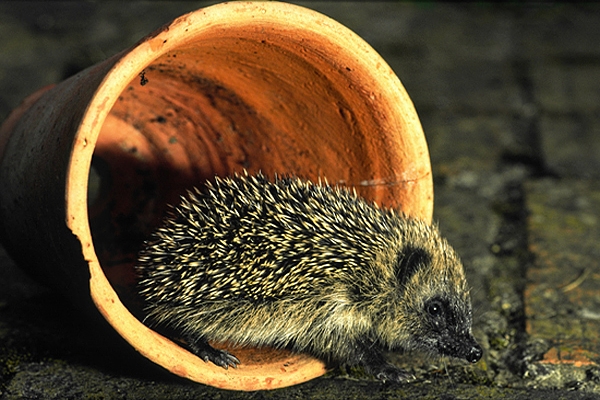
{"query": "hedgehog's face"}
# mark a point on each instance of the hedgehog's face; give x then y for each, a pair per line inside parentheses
(435, 308)
(446, 329)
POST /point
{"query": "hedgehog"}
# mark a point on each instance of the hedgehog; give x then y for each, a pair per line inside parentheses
(309, 267)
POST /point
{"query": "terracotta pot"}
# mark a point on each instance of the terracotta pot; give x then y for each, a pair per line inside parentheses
(258, 86)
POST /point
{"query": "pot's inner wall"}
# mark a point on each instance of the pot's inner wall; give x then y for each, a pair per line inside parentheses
(218, 107)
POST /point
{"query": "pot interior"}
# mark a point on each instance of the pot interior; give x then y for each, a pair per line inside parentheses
(224, 105)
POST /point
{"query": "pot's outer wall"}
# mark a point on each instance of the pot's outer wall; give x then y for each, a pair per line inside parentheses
(34, 162)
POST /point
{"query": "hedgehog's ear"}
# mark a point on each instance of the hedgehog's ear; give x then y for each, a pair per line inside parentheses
(409, 261)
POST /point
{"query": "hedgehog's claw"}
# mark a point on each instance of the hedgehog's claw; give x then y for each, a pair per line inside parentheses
(394, 374)
(218, 357)
(206, 352)
(387, 372)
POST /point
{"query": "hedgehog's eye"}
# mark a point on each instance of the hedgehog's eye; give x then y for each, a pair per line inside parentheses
(435, 308)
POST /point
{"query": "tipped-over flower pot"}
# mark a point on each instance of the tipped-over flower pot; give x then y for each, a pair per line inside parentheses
(88, 166)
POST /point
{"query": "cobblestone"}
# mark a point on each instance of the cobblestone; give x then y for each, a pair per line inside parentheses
(562, 306)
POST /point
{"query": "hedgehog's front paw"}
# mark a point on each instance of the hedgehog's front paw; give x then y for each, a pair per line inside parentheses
(389, 372)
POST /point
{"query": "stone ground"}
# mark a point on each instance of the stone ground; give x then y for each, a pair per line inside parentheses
(509, 97)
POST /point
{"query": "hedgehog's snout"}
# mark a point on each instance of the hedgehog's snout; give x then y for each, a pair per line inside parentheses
(459, 346)
(474, 354)
(468, 349)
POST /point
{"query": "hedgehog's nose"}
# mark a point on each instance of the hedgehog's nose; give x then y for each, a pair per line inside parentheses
(474, 354)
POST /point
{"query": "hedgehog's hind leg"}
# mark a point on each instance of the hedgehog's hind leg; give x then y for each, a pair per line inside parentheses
(221, 358)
